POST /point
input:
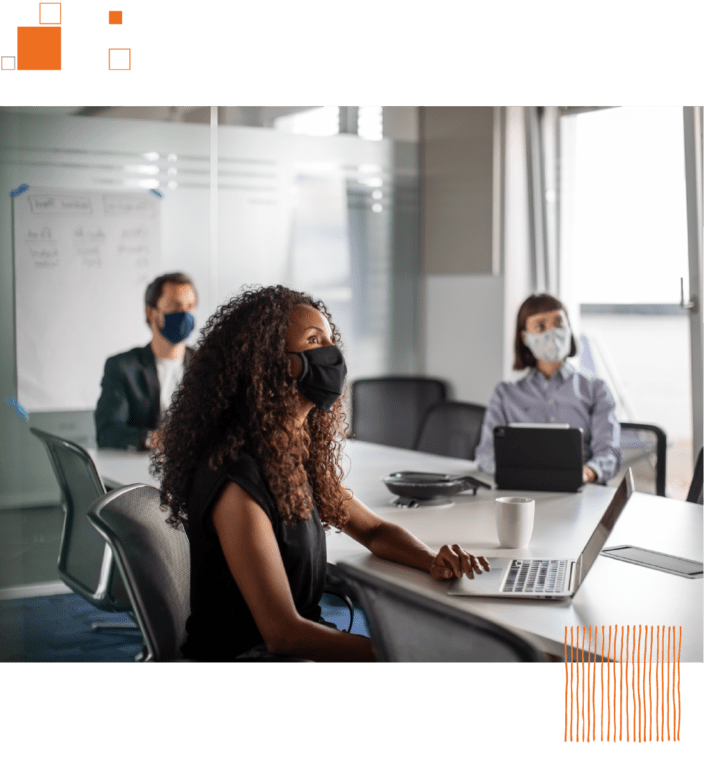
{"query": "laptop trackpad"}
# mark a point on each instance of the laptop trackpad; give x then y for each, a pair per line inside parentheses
(486, 583)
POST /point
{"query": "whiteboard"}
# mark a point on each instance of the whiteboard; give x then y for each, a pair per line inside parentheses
(83, 260)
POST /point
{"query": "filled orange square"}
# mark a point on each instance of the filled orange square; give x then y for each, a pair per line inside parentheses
(38, 47)
(49, 23)
(115, 17)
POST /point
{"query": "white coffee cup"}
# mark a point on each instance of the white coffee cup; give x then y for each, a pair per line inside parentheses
(514, 521)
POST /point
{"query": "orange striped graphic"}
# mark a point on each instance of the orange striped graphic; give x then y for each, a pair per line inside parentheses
(634, 682)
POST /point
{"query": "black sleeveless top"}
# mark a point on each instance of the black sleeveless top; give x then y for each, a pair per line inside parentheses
(221, 625)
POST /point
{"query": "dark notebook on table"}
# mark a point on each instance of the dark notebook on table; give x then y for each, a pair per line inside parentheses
(538, 457)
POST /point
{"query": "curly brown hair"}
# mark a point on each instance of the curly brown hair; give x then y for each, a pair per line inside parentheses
(237, 396)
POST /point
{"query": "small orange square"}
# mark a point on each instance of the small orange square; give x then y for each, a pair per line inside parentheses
(115, 17)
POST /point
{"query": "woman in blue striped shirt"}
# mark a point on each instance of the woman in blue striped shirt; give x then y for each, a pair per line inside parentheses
(553, 391)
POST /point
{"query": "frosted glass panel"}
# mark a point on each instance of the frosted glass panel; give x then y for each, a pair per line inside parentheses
(336, 217)
(320, 251)
(99, 155)
(110, 157)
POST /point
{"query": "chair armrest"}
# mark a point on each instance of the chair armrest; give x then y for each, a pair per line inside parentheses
(660, 451)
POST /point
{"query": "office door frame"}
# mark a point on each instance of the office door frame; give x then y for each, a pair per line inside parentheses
(693, 120)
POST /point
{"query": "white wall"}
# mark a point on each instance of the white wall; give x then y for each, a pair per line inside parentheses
(464, 299)
(464, 315)
(401, 123)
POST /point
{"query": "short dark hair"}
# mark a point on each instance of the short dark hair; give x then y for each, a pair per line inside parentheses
(533, 305)
(156, 288)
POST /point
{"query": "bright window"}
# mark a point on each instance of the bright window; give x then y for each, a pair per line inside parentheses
(370, 123)
(625, 213)
(325, 121)
(319, 121)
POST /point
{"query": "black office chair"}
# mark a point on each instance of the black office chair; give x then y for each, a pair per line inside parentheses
(406, 626)
(154, 561)
(451, 428)
(696, 489)
(636, 445)
(389, 410)
(85, 562)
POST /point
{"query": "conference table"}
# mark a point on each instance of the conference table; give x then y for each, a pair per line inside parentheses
(614, 592)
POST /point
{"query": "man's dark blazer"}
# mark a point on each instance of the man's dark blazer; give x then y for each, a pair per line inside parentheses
(129, 405)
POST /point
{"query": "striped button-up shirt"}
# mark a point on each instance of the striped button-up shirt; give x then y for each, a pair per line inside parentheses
(568, 397)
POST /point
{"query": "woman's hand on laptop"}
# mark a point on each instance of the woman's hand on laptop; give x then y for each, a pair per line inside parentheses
(451, 562)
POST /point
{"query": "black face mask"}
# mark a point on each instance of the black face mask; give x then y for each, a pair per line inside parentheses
(322, 378)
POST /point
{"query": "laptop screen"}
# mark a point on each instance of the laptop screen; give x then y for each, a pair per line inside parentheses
(603, 530)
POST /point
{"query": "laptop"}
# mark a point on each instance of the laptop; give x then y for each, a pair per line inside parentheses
(543, 578)
(538, 457)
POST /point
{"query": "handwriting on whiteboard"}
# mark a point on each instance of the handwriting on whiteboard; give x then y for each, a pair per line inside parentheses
(91, 231)
(60, 204)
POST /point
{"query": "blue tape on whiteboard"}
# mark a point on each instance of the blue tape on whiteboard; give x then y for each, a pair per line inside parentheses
(11, 401)
(17, 192)
(156, 192)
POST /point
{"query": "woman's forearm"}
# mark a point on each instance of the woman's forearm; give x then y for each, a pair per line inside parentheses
(394, 543)
(310, 640)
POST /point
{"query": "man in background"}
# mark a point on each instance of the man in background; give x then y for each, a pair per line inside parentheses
(137, 385)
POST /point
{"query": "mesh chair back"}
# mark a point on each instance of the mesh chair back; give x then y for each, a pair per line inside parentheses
(696, 489)
(642, 440)
(85, 561)
(451, 429)
(389, 410)
(154, 560)
(406, 626)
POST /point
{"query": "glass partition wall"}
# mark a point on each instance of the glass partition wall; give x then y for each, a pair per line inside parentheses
(336, 216)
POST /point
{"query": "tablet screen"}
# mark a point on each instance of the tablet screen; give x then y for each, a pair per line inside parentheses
(655, 560)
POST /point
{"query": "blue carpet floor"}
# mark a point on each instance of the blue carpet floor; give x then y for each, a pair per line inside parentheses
(58, 628)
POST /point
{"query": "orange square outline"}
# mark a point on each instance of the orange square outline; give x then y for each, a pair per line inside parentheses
(50, 23)
(120, 69)
(115, 13)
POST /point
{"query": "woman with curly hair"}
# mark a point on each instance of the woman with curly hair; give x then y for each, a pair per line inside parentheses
(250, 465)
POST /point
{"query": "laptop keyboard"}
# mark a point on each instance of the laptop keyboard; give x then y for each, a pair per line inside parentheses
(536, 576)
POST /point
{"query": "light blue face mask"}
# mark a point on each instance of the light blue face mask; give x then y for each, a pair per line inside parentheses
(551, 346)
(177, 326)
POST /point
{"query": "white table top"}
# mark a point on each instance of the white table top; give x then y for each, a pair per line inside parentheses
(118, 467)
(613, 593)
